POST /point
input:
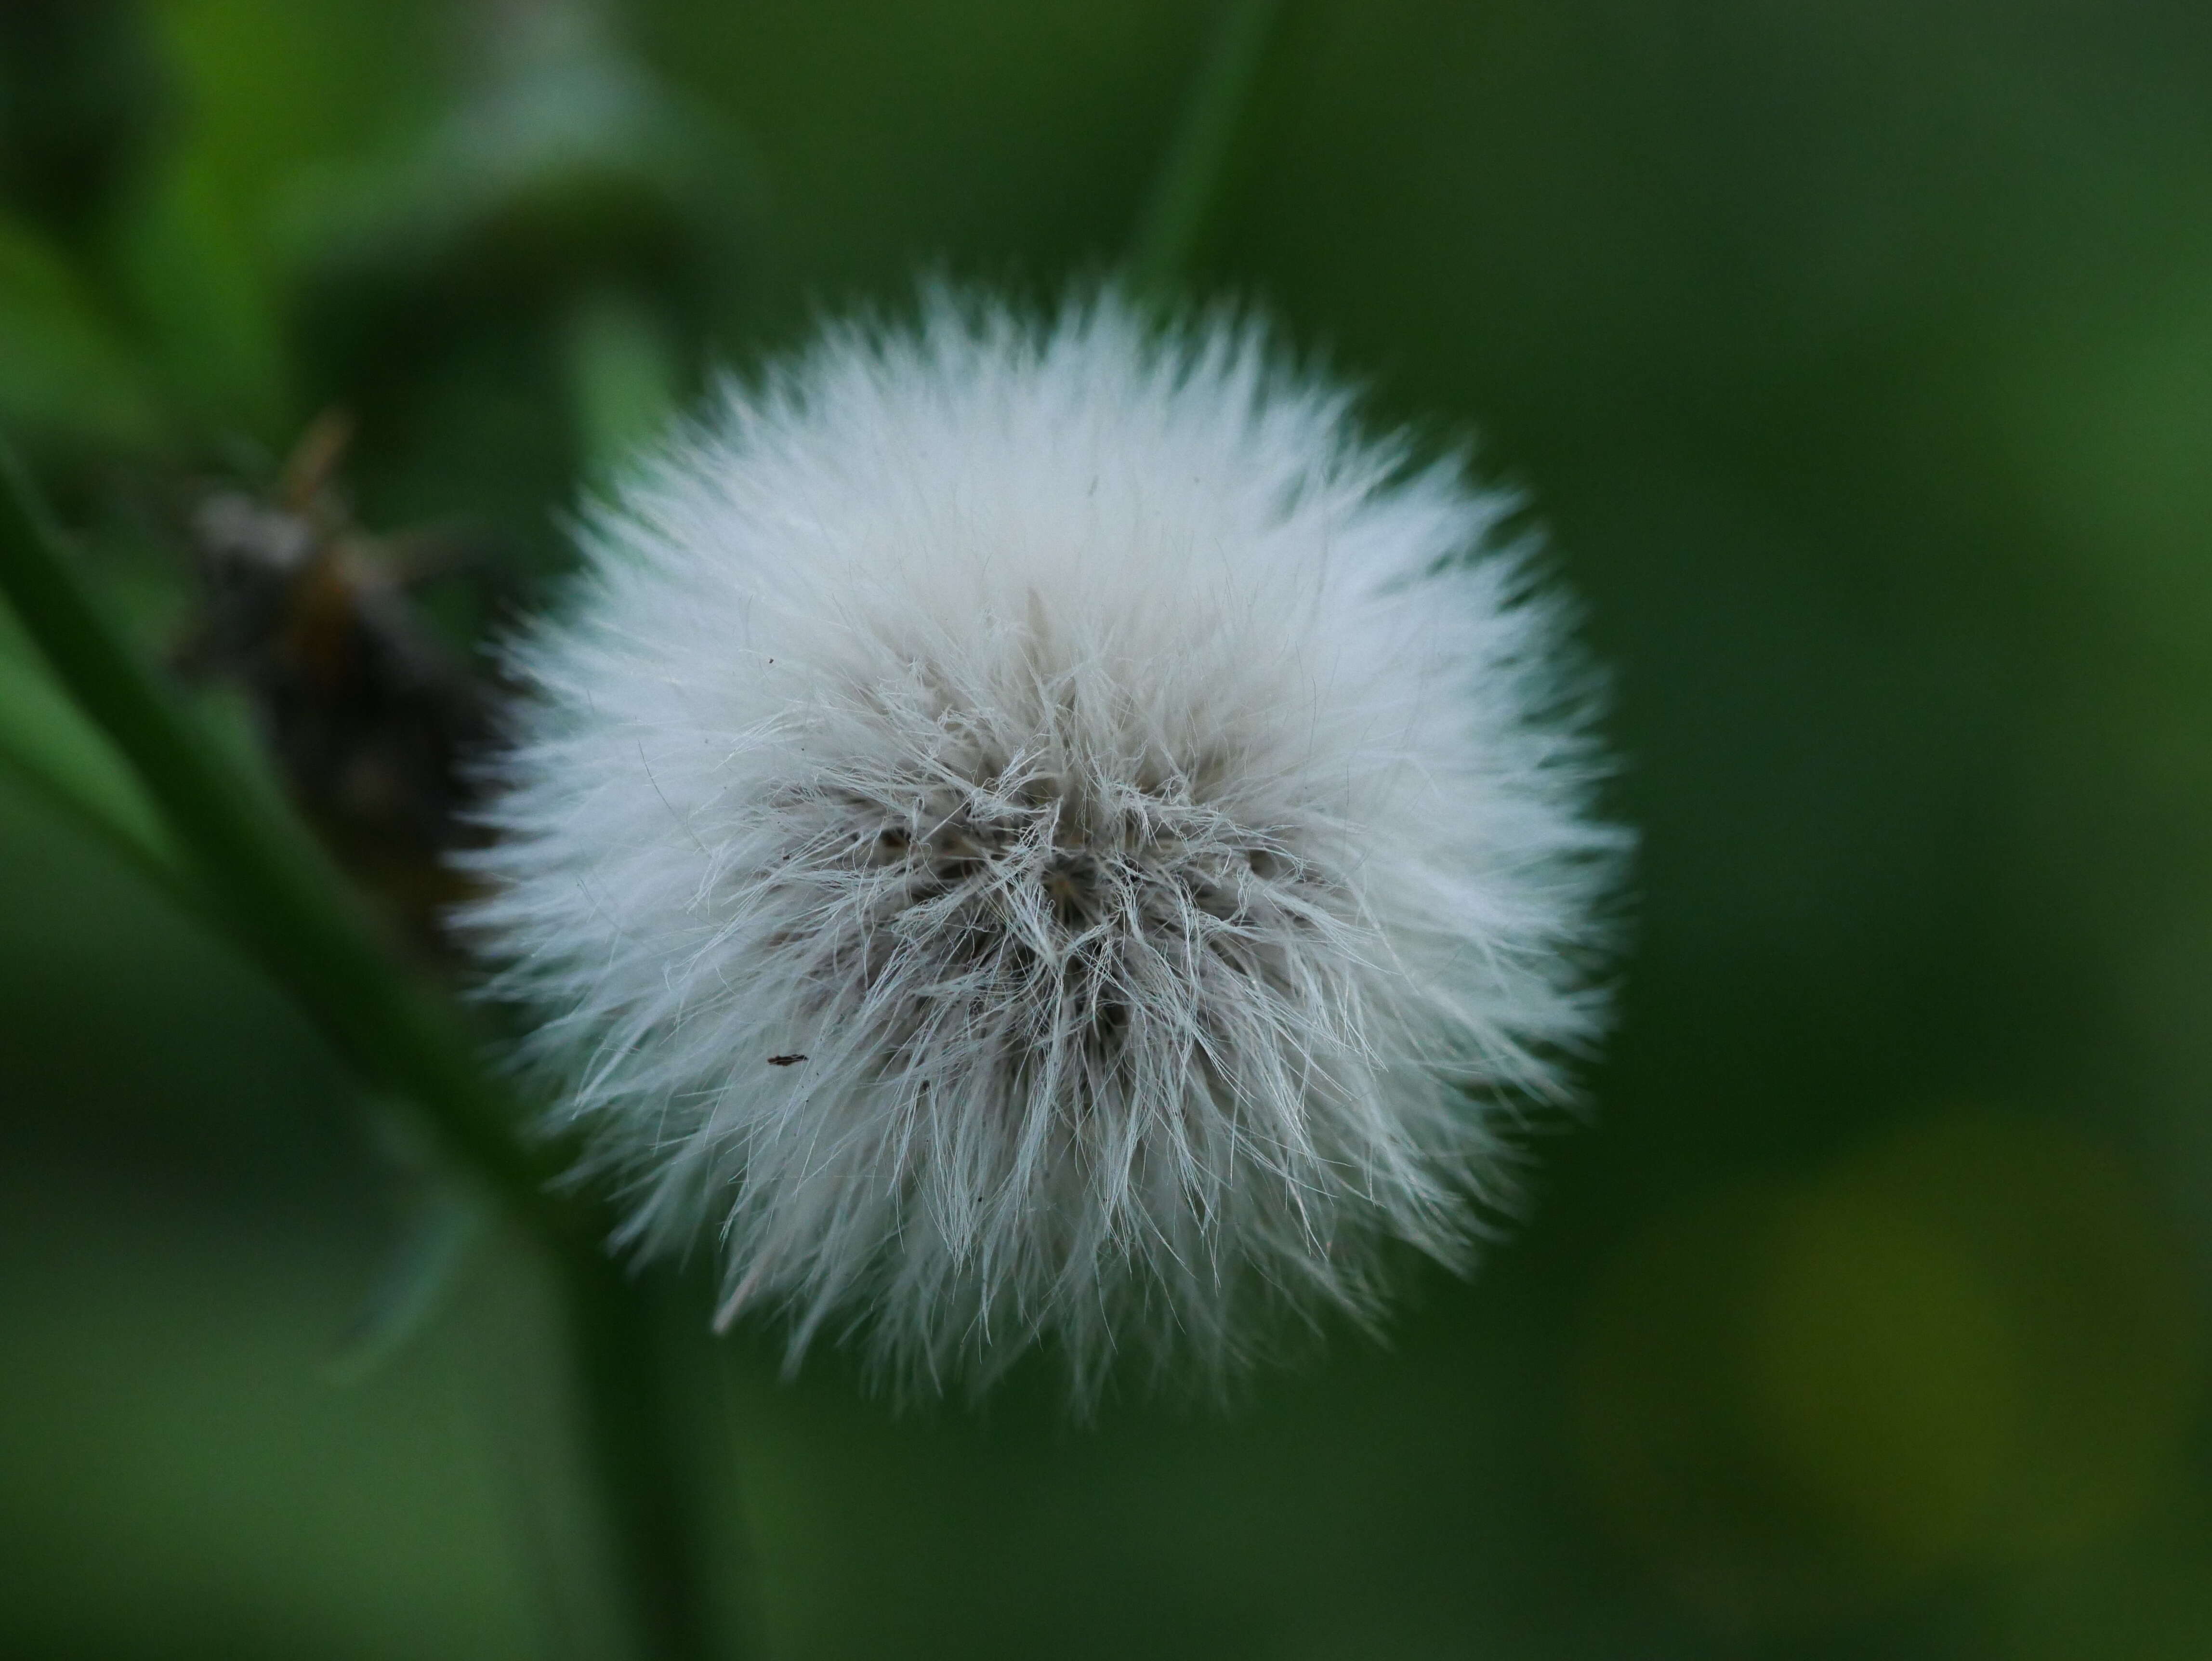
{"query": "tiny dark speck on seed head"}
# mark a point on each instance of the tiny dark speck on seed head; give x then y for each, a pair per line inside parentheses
(784, 1060)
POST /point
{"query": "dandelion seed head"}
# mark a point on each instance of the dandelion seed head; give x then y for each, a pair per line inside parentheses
(1041, 833)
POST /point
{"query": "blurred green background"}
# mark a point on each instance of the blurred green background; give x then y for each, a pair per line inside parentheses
(1859, 359)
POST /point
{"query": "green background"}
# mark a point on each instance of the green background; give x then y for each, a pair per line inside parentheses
(1858, 361)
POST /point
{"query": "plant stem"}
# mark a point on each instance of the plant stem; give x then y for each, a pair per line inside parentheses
(649, 1471)
(64, 797)
(276, 894)
(281, 897)
(1171, 230)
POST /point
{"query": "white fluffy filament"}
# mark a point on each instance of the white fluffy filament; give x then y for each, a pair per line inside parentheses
(1043, 833)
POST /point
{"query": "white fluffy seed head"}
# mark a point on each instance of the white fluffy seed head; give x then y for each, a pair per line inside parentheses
(1041, 833)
